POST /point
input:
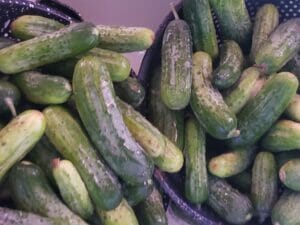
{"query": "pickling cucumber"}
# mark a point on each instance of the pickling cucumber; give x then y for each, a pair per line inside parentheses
(5, 42)
(289, 174)
(293, 110)
(135, 194)
(9, 97)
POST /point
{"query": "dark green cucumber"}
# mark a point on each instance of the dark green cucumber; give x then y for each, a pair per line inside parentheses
(234, 20)
(5, 42)
(65, 43)
(18, 137)
(130, 91)
(231, 163)
(135, 194)
(196, 181)
(97, 106)
(283, 157)
(230, 66)
(242, 181)
(266, 20)
(293, 110)
(176, 64)
(198, 15)
(286, 211)
(151, 211)
(43, 89)
(289, 174)
(283, 136)
(282, 45)
(228, 202)
(29, 26)
(72, 143)
(207, 103)
(264, 185)
(32, 192)
(9, 97)
(240, 95)
(264, 109)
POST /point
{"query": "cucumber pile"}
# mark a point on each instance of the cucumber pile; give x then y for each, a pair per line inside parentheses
(76, 150)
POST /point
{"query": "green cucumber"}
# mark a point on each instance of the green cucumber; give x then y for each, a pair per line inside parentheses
(176, 64)
(31, 192)
(264, 109)
(231, 163)
(230, 66)
(43, 89)
(130, 91)
(207, 103)
(62, 44)
(72, 188)
(264, 185)
(289, 174)
(286, 211)
(9, 97)
(266, 20)
(18, 137)
(135, 194)
(151, 211)
(229, 203)
(282, 45)
(285, 156)
(196, 181)
(234, 20)
(29, 26)
(240, 95)
(5, 42)
(96, 104)
(242, 181)
(283, 136)
(293, 110)
(70, 140)
(198, 15)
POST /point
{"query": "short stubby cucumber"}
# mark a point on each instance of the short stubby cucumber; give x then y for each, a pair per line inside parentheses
(135, 194)
(5, 42)
(10, 97)
(289, 174)
(293, 110)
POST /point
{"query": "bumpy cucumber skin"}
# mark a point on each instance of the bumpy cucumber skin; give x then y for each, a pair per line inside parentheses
(105, 124)
(176, 62)
(286, 210)
(197, 13)
(28, 26)
(285, 156)
(242, 181)
(18, 137)
(5, 42)
(43, 89)
(293, 110)
(71, 141)
(230, 66)
(196, 181)
(264, 184)
(8, 91)
(239, 95)
(234, 20)
(264, 109)
(65, 43)
(207, 103)
(289, 174)
(282, 45)
(32, 192)
(135, 194)
(266, 20)
(228, 202)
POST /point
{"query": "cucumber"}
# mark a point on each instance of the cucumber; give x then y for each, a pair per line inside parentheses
(282, 45)
(5, 42)
(264, 109)
(9, 97)
(18, 137)
(96, 104)
(31, 192)
(198, 15)
(229, 203)
(151, 211)
(231, 163)
(72, 188)
(283, 136)
(240, 95)
(29, 26)
(121, 215)
(176, 64)
(285, 156)
(43, 89)
(293, 110)
(230, 66)
(125, 39)
(70, 140)
(62, 44)
(266, 20)
(242, 181)
(264, 185)
(234, 20)
(196, 181)
(208, 104)
(289, 174)
(135, 194)
(286, 210)
(130, 91)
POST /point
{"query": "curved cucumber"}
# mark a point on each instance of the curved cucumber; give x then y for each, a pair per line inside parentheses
(135, 194)
(5, 42)
(289, 174)
(9, 97)
(293, 110)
